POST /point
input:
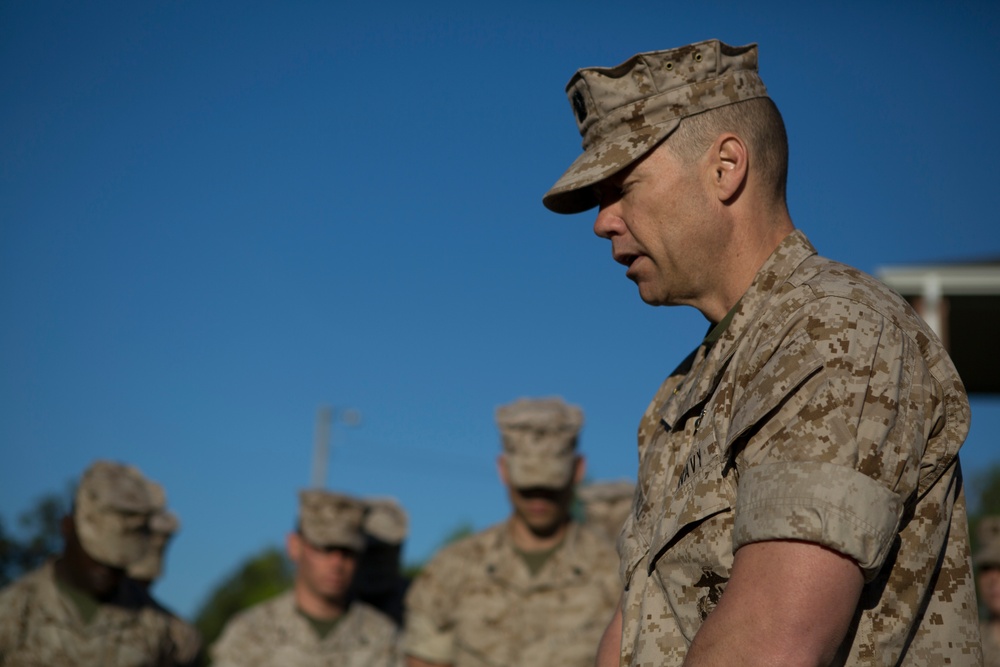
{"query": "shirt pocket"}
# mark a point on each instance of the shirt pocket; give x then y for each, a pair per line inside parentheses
(632, 546)
(703, 489)
(485, 630)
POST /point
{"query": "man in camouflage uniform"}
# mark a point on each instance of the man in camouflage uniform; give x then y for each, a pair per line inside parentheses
(799, 498)
(987, 561)
(162, 526)
(80, 609)
(606, 505)
(534, 591)
(316, 623)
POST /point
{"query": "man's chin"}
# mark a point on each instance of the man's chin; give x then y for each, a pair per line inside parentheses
(546, 528)
(646, 293)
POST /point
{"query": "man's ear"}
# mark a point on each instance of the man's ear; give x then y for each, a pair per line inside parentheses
(730, 161)
(293, 544)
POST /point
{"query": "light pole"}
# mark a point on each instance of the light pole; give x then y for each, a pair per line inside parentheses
(323, 442)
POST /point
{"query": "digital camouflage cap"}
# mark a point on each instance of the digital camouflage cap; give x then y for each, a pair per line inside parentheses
(539, 441)
(111, 513)
(328, 519)
(386, 520)
(622, 112)
(162, 526)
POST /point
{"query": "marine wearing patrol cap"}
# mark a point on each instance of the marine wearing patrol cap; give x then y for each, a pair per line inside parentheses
(328, 519)
(112, 511)
(623, 112)
(539, 441)
(379, 580)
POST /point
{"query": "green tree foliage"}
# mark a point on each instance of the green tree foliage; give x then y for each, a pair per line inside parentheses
(259, 578)
(38, 536)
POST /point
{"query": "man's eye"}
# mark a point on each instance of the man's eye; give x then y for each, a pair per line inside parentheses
(608, 191)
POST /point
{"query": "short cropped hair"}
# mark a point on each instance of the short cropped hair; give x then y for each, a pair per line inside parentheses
(757, 121)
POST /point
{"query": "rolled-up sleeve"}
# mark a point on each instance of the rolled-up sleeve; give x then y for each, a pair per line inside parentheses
(835, 459)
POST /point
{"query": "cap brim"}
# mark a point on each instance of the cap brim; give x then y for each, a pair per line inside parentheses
(573, 192)
(530, 472)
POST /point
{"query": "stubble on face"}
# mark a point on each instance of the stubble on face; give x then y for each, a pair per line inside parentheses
(543, 511)
(656, 215)
(327, 573)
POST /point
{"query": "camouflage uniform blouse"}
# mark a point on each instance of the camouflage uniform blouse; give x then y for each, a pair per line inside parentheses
(825, 412)
(476, 603)
(40, 626)
(273, 633)
(991, 647)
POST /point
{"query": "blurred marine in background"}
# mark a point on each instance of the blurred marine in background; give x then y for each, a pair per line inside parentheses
(987, 560)
(318, 623)
(534, 591)
(163, 524)
(606, 505)
(81, 609)
(379, 580)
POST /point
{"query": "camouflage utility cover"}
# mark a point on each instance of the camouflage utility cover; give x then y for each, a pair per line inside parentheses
(826, 412)
(622, 112)
(111, 512)
(273, 633)
(477, 605)
(386, 521)
(163, 524)
(328, 519)
(991, 644)
(40, 626)
(539, 437)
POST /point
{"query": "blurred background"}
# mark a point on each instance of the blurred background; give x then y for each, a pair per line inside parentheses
(219, 218)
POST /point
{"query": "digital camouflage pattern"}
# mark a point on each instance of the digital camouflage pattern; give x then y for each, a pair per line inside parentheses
(623, 111)
(185, 637)
(41, 627)
(386, 521)
(162, 525)
(476, 604)
(539, 437)
(111, 512)
(991, 645)
(606, 505)
(826, 412)
(273, 633)
(328, 519)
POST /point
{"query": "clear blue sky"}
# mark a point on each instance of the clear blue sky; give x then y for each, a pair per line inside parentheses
(217, 216)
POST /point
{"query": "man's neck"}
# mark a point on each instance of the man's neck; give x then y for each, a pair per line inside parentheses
(752, 245)
(318, 607)
(527, 540)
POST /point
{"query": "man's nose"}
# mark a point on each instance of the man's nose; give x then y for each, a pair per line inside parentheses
(607, 223)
